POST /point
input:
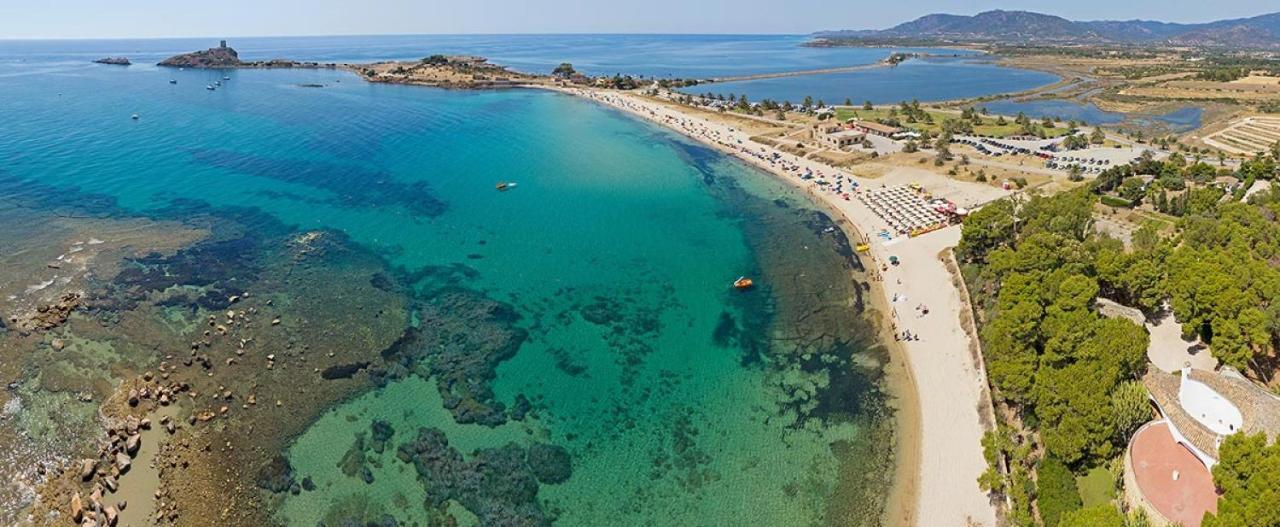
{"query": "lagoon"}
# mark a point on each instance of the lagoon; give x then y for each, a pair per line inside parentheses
(1180, 120)
(929, 79)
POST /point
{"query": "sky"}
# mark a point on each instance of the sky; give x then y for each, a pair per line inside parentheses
(32, 19)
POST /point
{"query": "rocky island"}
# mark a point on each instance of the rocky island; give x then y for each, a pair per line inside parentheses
(219, 57)
(114, 61)
(226, 57)
(446, 71)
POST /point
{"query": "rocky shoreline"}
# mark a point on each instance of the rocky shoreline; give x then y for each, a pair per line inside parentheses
(196, 334)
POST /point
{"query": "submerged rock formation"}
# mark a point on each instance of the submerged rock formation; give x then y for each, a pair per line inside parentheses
(549, 463)
(277, 476)
(498, 485)
(463, 337)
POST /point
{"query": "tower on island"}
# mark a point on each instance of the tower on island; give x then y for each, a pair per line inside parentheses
(222, 43)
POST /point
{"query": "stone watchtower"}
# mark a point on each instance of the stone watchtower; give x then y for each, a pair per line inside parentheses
(222, 43)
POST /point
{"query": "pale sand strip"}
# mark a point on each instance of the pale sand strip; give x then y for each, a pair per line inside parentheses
(950, 388)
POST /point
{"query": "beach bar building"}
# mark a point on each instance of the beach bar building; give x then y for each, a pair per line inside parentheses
(1169, 461)
(874, 128)
(842, 138)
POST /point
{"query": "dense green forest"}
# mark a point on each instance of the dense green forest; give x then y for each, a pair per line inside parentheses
(1066, 379)
(1249, 476)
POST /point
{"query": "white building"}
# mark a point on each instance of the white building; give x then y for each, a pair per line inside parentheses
(1203, 408)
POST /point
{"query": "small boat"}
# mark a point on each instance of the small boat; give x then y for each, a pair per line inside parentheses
(503, 186)
(135, 117)
(217, 83)
(226, 78)
(862, 247)
(173, 81)
(210, 87)
(743, 283)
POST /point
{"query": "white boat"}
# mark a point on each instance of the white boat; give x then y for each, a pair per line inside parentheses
(135, 117)
(173, 81)
(210, 87)
(225, 78)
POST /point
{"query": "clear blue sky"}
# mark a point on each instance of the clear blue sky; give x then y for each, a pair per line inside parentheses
(231, 18)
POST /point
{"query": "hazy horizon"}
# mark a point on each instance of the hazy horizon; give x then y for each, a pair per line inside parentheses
(155, 19)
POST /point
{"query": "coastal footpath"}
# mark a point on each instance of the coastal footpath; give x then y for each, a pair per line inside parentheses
(949, 380)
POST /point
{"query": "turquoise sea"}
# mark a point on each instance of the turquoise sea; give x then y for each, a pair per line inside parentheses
(673, 398)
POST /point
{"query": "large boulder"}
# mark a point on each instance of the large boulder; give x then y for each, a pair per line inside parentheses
(122, 462)
(77, 507)
(87, 468)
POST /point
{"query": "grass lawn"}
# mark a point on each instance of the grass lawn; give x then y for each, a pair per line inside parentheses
(989, 126)
(1096, 487)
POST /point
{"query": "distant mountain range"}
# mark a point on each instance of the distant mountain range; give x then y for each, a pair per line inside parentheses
(1024, 27)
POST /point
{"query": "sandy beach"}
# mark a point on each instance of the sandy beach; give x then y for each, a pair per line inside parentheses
(949, 382)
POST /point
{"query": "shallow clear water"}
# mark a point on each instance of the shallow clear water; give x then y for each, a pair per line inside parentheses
(616, 251)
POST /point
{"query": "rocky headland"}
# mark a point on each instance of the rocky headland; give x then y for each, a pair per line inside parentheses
(446, 71)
